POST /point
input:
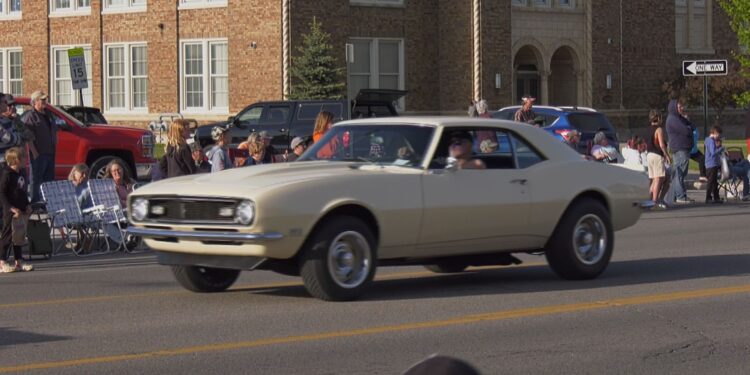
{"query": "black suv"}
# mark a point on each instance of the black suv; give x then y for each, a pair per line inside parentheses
(284, 120)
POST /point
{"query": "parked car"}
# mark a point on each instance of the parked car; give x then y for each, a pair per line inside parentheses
(86, 115)
(560, 120)
(97, 145)
(285, 120)
(348, 206)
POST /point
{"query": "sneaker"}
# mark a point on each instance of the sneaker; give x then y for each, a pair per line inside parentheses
(702, 179)
(24, 267)
(684, 201)
(7, 268)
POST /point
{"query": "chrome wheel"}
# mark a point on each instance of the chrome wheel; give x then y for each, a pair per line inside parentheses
(349, 259)
(590, 239)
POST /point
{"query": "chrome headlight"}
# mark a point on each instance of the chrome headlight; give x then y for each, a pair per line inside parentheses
(139, 209)
(245, 213)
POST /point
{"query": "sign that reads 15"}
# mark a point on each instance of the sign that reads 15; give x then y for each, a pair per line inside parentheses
(77, 61)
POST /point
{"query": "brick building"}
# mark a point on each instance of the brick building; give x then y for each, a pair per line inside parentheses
(209, 58)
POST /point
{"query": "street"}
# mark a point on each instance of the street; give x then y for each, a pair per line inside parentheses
(673, 300)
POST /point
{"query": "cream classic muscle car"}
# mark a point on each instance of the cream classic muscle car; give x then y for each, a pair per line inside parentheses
(447, 193)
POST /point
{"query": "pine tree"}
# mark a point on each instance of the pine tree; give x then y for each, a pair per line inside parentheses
(739, 19)
(315, 72)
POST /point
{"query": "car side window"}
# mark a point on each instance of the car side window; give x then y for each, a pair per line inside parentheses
(309, 111)
(276, 114)
(251, 115)
(526, 155)
(491, 146)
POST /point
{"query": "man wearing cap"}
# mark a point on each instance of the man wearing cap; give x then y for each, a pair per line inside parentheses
(525, 114)
(218, 155)
(8, 136)
(298, 147)
(41, 123)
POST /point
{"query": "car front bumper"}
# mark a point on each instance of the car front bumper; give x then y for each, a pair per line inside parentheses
(228, 237)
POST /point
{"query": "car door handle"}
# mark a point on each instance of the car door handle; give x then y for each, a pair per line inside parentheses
(520, 181)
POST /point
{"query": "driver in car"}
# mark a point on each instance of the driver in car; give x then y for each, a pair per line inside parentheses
(460, 149)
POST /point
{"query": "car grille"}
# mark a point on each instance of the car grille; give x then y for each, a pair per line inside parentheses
(192, 210)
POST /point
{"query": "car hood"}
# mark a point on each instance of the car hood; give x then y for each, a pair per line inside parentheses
(258, 178)
(105, 129)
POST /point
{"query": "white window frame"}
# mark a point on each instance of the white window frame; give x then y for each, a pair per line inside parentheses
(378, 3)
(375, 62)
(7, 14)
(53, 77)
(74, 9)
(130, 6)
(128, 77)
(201, 4)
(206, 76)
(5, 70)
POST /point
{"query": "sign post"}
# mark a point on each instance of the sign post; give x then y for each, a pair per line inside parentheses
(705, 68)
(77, 62)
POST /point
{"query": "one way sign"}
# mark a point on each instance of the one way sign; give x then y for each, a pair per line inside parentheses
(692, 68)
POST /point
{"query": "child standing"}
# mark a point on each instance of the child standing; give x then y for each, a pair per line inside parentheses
(16, 211)
(218, 155)
(713, 164)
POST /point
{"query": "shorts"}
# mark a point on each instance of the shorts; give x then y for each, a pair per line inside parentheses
(656, 165)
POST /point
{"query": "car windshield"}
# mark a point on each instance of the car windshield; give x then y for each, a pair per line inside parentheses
(403, 145)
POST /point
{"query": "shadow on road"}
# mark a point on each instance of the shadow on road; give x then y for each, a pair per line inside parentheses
(541, 279)
(10, 336)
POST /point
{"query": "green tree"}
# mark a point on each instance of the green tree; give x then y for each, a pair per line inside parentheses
(739, 18)
(315, 71)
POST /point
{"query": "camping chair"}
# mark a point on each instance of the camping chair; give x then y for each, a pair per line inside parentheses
(728, 182)
(66, 215)
(107, 209)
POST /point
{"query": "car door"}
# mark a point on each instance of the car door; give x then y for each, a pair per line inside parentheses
(474, 211)
(248, 120)
(275, 121)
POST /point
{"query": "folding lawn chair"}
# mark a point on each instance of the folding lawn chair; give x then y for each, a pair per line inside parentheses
(107, 209)
(66, 215)
(728, 182)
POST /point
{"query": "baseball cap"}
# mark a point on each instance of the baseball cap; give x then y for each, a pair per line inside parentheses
(487, 146)
(296, 142)
(528, 99)
(9, 99)
(217, 132)
(38, 95)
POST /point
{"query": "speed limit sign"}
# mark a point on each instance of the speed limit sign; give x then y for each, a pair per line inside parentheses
(77, 61)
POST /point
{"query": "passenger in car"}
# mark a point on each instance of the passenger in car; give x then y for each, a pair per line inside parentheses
(460, 149)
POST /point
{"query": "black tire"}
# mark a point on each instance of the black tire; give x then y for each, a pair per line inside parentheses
(205, 279)
(319, 256)
(446, 267)
(99, 167)
(584, 217)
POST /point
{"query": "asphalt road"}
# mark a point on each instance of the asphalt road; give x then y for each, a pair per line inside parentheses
(674, 300)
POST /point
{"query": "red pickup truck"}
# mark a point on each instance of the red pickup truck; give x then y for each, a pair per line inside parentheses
(97, 145)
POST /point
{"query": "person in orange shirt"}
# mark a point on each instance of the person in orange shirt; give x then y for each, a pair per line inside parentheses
(322, 125)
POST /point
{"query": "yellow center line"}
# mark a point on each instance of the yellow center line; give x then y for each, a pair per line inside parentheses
(247, 287)
(461, 320)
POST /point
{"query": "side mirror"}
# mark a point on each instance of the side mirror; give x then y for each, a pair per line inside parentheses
(60, 123)
(237, 124)
(230, 119)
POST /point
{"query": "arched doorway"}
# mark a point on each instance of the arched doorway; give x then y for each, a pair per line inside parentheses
(526, 67)
(563, 80)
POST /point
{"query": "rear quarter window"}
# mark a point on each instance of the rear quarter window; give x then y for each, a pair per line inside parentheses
(590, 122)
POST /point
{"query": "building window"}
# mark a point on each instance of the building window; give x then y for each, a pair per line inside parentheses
(520, 3)
(120, 6)
(693, 26)
(11, 71)
(205, 76)
(126, 78)
(541, 3)
(69, 7)
(566, 3)
(62, 86)
(196, 4)
(10, 9)
(377, 2)
(378, 64)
